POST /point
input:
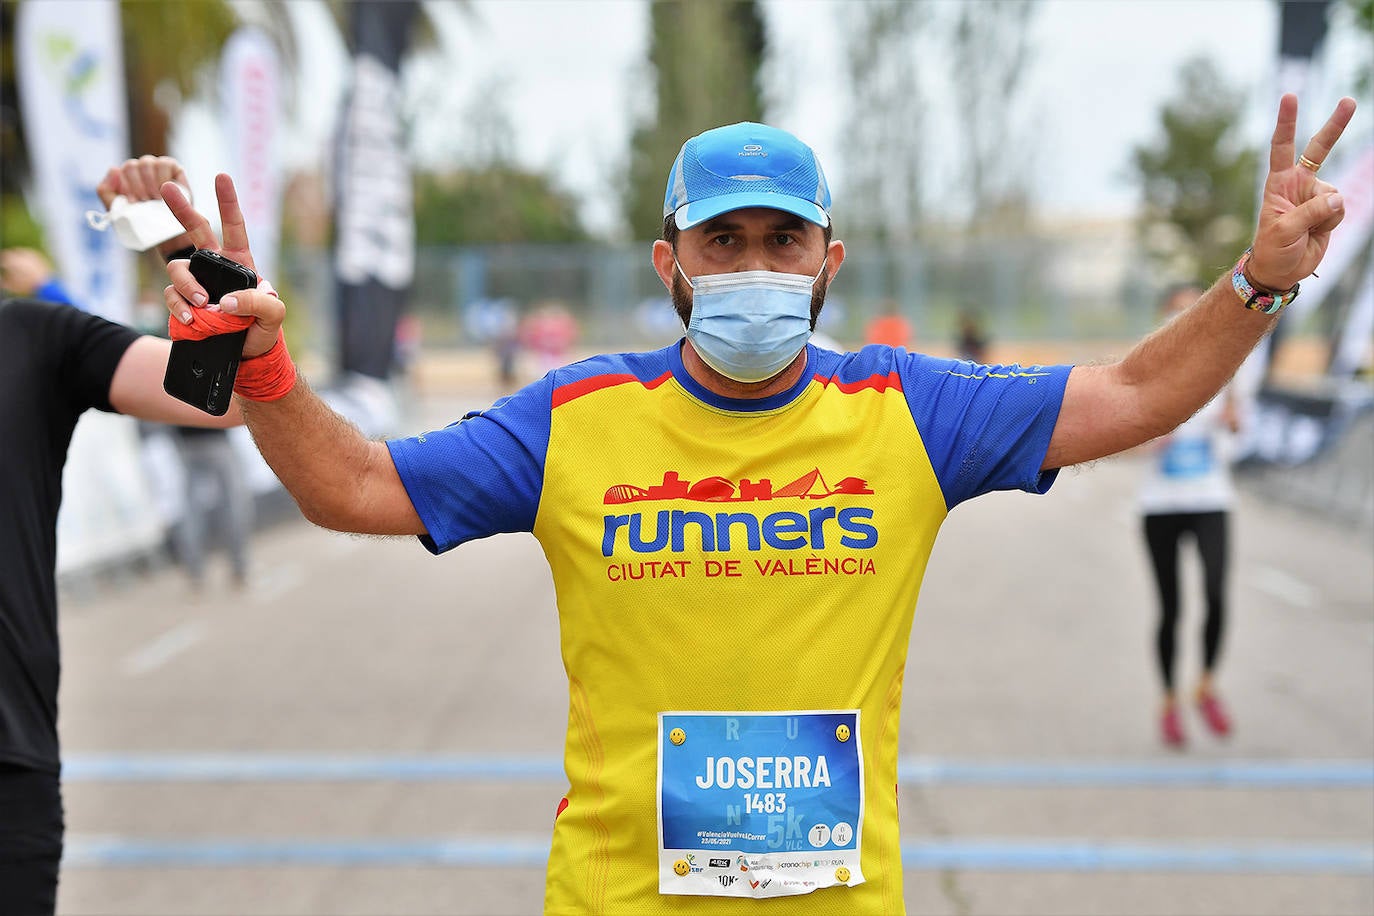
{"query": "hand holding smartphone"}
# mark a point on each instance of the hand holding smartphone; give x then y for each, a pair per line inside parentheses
(202, 372)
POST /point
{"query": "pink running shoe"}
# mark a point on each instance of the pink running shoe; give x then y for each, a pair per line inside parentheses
(1214, 714)
(1171, 727)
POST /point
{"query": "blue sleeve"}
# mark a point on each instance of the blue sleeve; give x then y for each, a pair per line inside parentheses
(482, 475)
(52, 290)
(985, 428)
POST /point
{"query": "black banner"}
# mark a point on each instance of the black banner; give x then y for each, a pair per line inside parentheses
(1302, 26)
(374, 257)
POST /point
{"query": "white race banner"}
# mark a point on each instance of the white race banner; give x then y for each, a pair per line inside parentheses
(71, 88)
(1353, 176)
(250, 100)
(109, 508)
(1353, 347)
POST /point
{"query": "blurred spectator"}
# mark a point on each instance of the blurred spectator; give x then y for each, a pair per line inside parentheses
(214, 496)
(409, 336)
(27, 273)
(549, 332)
(656, 321)
(972, 343)
(889, 328)
(496, 323)
(217, 496)
(1188, 491)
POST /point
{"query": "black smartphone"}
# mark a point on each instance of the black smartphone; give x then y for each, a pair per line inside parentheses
(202, 372)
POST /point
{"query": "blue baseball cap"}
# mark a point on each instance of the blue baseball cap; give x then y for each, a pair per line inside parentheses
(745, 165)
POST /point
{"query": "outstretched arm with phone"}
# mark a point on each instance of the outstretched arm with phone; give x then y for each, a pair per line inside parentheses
(338, 477)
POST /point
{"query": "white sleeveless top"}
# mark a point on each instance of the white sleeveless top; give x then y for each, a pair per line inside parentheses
(1190, 468)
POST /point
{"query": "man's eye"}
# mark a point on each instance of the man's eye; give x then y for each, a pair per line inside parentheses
(785, 240)
(721, 240)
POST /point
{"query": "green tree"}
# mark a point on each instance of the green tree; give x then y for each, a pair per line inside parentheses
(1197, 180)
(167, 46)
(992, 49)
(884, 153)
(704, 61)
(486, 197)
(497, 203)
(1363, 13)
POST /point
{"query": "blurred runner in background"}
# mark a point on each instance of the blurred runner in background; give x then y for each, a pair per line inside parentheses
(1188, 491)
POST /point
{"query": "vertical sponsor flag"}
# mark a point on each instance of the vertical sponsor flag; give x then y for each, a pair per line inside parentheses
(374, 258)
(250, 102)
(1354, 349)
(70, 74)
(1290, 428)
(1353, 176)
(251, 117)
(1302, 28)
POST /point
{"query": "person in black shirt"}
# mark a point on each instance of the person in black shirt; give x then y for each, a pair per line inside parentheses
(56, 362)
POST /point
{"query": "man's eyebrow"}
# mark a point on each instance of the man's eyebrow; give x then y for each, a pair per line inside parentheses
(790, 221)
(785, 222)
(719, 224)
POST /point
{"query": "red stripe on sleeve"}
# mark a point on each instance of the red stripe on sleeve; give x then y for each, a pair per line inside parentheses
(876, 382)
(574, 390)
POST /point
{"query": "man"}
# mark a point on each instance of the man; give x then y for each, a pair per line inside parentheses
(55, 363)
(733, 522)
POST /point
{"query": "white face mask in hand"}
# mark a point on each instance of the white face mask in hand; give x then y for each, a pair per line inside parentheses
(138, 225)
(750, 325)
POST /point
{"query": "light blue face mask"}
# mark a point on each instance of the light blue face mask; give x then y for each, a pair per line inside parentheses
(750, 325)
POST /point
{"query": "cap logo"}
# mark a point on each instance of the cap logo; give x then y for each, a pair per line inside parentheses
(752, 149)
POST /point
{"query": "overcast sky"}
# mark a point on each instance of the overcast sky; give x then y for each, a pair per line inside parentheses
(570, 75)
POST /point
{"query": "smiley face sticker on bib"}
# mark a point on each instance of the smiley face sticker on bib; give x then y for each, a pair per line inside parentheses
(759, 804)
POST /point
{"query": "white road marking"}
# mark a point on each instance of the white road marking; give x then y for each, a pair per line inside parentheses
(165, 648)
(1285, 587)
(275, 581)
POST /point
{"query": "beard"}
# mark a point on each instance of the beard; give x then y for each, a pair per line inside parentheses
(682, 298)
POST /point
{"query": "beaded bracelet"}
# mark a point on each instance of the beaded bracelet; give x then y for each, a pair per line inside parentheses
(1268, 303)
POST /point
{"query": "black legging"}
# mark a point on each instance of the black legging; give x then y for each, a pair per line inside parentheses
(1163, 533)
(31, 830)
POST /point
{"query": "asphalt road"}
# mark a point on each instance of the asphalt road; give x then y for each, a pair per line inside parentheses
(367, 729)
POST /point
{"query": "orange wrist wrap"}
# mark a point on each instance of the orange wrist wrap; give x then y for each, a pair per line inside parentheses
(265, 377)
(268, 376)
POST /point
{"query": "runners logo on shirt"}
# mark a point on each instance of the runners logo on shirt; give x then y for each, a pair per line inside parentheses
(811, 485)
(690, 530)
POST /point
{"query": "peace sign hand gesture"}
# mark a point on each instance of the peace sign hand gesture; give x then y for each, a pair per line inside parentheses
(185, 294)
(1297, 210)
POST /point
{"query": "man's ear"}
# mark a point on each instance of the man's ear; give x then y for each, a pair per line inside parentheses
(664, 259)
(834, 257)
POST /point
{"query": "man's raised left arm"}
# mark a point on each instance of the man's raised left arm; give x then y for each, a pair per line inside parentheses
(1173, 372)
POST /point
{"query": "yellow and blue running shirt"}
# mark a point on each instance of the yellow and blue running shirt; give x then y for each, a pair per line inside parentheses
(736, 581)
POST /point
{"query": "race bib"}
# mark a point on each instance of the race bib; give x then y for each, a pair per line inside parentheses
(759, 804)
(1187, 458)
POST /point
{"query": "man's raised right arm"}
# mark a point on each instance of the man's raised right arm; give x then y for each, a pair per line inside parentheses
(338, 477)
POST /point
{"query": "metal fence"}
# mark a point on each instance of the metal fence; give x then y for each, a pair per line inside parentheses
(1021, 289)
(1325, 461)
